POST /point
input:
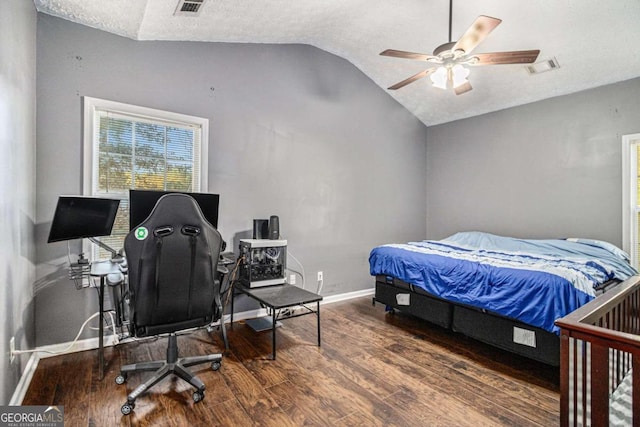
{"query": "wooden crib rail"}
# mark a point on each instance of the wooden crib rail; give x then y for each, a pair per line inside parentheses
(599, 344)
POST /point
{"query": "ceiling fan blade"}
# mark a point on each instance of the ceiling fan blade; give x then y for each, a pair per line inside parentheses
(407, 55)
(411, 79)
(476, 33)
(512, 57)
(463, 88)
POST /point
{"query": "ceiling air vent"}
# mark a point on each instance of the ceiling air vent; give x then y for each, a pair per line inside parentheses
(189, 7)
(543, 66)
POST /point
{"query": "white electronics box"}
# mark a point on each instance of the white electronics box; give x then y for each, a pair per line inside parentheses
(264, 262)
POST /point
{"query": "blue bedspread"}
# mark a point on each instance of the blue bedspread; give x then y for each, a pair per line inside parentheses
(534, 281)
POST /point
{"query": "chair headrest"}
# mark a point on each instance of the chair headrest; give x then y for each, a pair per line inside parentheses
(174, 208)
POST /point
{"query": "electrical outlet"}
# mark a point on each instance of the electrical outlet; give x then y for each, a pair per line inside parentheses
(292, 279)
(319, 276)
(12, 349)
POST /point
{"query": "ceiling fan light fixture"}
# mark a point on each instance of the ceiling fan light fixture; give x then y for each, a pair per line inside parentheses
(459, 75)
(440, 77)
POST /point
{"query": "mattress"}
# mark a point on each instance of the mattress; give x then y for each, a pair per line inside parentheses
(532, 281)
(621, 404)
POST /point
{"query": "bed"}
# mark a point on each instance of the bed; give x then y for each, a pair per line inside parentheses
(504, 291)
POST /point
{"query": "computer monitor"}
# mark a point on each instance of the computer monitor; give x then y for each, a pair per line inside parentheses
(78, 217)
(141, 203)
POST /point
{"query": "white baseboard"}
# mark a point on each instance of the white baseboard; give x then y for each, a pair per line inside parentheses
(25, 380)
(110, 340)
(347, 296)
(81, 345)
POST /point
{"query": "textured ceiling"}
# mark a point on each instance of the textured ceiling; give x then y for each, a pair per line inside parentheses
(595, 42)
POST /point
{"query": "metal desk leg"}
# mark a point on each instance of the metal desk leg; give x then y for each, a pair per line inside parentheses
(224, 333)
(101, 330)
(318, 314)
(273, 333)
(223, 329)
(232, 298)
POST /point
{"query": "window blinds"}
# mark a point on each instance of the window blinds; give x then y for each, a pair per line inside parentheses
(145, 153)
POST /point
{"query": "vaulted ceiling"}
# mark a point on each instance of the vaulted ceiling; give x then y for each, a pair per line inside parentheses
(595, 42)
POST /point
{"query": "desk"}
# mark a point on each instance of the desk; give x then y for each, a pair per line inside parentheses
(277, 298)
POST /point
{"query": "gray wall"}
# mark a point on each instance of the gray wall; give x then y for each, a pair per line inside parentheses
(17, 185)
(294, 131)
(547, 169)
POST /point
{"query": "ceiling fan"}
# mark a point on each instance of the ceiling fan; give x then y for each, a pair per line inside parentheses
(452, 58)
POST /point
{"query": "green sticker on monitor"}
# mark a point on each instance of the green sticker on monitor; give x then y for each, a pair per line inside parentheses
(141, 233)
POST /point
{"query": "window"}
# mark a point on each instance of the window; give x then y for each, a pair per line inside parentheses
(631, 197)
(129, 147)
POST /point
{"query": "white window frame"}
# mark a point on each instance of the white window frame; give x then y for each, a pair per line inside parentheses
(90, 154)
(630, 207)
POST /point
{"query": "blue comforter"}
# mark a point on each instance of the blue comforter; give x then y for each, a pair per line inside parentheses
(534, 281)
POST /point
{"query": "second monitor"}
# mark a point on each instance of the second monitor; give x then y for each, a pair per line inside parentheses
(142, 202)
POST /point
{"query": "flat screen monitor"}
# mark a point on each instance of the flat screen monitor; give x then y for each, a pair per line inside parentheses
(78, 217)
(142, 202)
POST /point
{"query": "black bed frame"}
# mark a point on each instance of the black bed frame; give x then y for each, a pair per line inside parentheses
(479, 324)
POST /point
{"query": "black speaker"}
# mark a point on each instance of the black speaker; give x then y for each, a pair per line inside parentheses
(274, 227)
(260, 228)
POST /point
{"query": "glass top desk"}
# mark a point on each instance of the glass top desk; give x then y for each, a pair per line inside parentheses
(279, 297)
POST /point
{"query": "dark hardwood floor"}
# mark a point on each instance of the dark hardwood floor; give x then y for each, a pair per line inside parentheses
(373, 369)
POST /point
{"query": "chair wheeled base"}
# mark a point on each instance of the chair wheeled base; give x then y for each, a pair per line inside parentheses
(172, 365)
